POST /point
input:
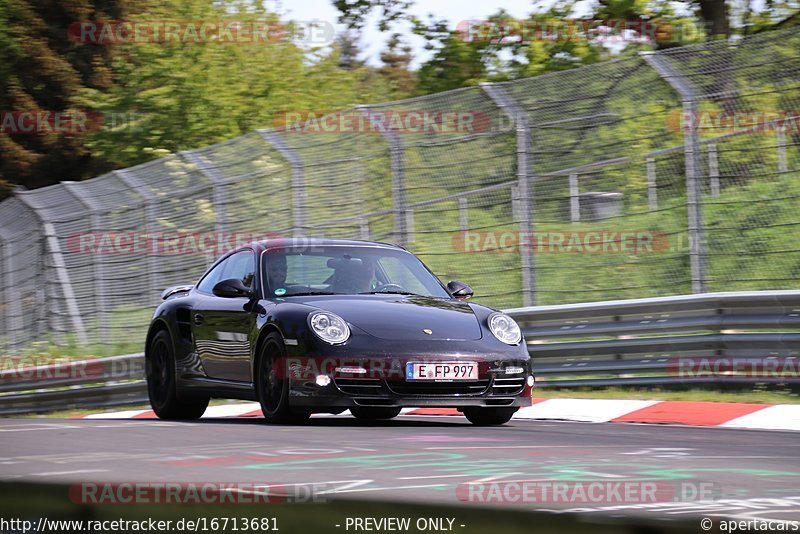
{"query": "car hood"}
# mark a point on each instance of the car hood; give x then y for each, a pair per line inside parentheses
(404, 317)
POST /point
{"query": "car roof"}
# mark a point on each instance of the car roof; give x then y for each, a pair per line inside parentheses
(266, 244)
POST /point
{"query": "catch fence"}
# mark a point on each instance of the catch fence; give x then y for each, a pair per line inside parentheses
(664, 173)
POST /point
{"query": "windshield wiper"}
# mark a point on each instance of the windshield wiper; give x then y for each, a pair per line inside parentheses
(391, 292)
(306, 293)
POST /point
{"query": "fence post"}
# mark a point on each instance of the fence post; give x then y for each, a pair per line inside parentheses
(524, 198)
(463, 213)
(783, 164)
(54, 249)
(98, 264)
(713, 170)
(218, 189)
(574, 198)
(298, 180)
(13, 315)
(363, 228)
(150, 201)
(690, 97)
(652, 191)
(396, 149)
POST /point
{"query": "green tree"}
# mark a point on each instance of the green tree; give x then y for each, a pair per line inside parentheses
(41, 70)
(396, 67)
(185, 95)
(354, 12)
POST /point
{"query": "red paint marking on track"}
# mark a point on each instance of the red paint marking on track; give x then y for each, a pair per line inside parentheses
(149, 414)
(233, 460)
(690, 413)
(452, 411)
(434, 411)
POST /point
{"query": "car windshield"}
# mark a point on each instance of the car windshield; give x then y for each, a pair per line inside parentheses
(347, 270)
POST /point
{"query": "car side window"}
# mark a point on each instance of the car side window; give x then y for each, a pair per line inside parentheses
(208, 282)
(241, 266)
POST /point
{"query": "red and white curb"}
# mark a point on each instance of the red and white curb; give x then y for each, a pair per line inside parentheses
(720, 414)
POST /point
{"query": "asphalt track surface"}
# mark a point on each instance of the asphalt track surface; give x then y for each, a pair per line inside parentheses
(751, 474)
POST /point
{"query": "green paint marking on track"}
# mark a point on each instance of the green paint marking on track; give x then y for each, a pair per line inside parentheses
(687, 472)
(380, 461)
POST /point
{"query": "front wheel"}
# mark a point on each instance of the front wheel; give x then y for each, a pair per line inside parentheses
(161, 383)
(489, 416)
(372, 413)
(272, 384)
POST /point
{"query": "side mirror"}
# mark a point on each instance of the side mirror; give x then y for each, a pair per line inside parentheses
(459, 290)
(232, 287)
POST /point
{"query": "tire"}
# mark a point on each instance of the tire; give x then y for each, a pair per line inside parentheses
(272, 384)
(489, 416)
(161, 383)
(372, 413)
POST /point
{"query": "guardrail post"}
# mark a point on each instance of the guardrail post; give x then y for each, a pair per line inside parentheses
(713, 170)
(54, 249)
(396, 154)
(300, 226)
(151, 217)
(98, 264)
(690, 97)
(525, 181)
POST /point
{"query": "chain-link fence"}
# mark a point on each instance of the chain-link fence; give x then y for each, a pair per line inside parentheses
(667, 173)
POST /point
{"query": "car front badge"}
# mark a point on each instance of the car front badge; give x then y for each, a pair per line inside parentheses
(428, 331)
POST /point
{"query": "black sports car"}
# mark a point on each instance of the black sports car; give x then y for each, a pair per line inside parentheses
(322, 325)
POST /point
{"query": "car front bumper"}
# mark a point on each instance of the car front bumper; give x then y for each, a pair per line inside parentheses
(488, 392)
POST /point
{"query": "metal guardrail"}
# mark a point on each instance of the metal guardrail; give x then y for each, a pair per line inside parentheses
(712, 338)
(82, 384)
(709, 338)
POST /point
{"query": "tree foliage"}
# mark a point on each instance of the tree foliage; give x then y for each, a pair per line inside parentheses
(42, 71)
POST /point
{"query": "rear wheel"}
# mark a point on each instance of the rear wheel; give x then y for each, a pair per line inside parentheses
(489, 416)
(373, 413)
(161, 383)
(272, 384)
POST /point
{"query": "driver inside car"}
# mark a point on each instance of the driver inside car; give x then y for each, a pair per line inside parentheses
(353, 276)
(276, 271)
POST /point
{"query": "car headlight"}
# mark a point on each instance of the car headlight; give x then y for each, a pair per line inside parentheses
(505, 328)
(329, 327)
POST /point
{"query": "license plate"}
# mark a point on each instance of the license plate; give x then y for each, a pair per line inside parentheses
(442, 371)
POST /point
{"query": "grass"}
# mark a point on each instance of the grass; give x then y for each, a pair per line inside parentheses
(47, 352)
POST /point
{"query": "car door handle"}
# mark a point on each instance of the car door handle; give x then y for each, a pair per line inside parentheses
(198, 318)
